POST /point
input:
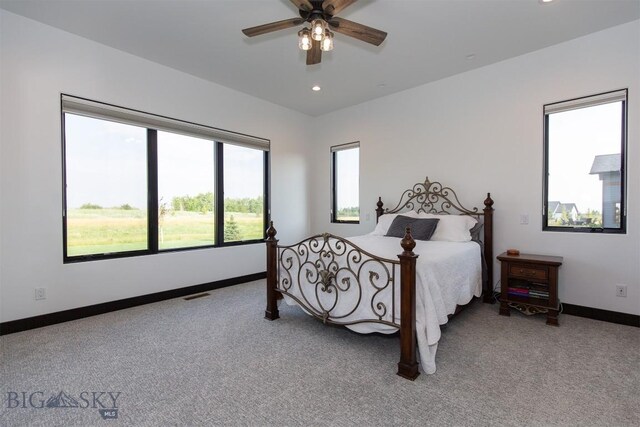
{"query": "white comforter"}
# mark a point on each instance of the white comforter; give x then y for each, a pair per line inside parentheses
(448, 274)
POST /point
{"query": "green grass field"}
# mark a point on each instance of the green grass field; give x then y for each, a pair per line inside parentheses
(98, 231)
(348, 218)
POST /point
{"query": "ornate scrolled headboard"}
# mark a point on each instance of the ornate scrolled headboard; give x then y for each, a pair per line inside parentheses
(435, 198)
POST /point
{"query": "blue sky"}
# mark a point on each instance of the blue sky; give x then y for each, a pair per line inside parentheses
(106, 165)
(348, 176)
(575, 138)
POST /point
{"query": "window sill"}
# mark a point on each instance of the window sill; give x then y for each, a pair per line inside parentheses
(116, 255)
(585, 230)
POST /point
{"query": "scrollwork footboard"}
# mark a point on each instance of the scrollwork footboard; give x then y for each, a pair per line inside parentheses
(339, 283)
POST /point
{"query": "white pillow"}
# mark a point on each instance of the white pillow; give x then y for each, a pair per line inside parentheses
(452, 228)
(384, 222)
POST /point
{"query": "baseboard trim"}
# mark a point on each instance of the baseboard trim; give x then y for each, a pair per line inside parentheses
(604, 315)
(106, 307)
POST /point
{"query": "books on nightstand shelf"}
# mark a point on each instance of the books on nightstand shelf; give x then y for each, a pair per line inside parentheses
(528, 289)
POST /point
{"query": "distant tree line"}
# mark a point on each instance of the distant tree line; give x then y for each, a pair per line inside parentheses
(245, 205)
(125, 207)
(90, 206)
(352, 211)
(203, 203)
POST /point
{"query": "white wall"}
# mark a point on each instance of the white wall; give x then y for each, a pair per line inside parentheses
(478, 131)
(39, 62)
(482, 131)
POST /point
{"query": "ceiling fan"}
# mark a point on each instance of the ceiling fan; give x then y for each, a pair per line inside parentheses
(321, 15)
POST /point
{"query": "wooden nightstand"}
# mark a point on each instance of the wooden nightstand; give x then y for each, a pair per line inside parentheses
(530, 283)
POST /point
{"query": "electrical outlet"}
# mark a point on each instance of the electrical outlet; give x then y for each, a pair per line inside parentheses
(621, 291)
(41, 293)
(524, 219)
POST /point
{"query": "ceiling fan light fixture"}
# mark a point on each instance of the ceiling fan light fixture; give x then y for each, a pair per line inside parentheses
(318, 17)
(304, 39)
(318, 27)
(327, 41)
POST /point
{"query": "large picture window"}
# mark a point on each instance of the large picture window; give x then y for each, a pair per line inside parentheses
(585, 175)
(345, 165)
(136, 183)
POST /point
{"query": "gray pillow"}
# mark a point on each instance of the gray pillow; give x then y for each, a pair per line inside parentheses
(421, 228)
(475, 231)
(398, 226)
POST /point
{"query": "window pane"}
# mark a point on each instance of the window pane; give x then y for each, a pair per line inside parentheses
(347, 176)
(106, 194)
(243, 193)
(584, 173)
(185, 191)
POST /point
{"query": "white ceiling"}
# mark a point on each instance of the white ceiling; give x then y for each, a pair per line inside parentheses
(428, 40)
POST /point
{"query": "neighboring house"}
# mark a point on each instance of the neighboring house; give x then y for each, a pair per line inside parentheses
(607, 167)
(556, 210)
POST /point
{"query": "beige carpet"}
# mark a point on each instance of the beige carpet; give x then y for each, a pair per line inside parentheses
(216, 361)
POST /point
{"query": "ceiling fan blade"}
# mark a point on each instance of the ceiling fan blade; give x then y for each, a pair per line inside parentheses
(358, 31)
(333, 7)
(314, 55)
(303, 5)
(273, 26)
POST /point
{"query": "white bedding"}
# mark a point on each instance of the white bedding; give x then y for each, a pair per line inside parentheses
(448, 274)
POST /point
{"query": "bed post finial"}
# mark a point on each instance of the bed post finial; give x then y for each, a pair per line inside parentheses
(379, 210)
(408, 243)
(408, 365)
(488, 202)
(488, 249)
(271, 312)
(271, 232)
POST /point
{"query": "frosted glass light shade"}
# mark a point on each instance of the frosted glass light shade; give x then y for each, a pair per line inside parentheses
(304, 39)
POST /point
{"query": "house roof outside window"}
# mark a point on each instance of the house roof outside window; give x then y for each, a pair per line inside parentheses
(605, 163)
(557, 207)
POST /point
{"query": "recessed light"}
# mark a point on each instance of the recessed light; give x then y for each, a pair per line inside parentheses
(316, 88)
(545, 1)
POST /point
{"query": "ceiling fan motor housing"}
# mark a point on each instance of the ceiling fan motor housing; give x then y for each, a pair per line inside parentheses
(316, 12)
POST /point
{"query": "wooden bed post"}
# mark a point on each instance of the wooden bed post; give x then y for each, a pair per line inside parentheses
(408, 365)
(271, 312)
(379, 210)
(488, 248)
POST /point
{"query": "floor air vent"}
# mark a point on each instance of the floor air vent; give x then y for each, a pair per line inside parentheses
(196, 296)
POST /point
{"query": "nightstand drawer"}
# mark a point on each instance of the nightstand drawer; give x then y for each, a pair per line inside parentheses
(528, 271)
